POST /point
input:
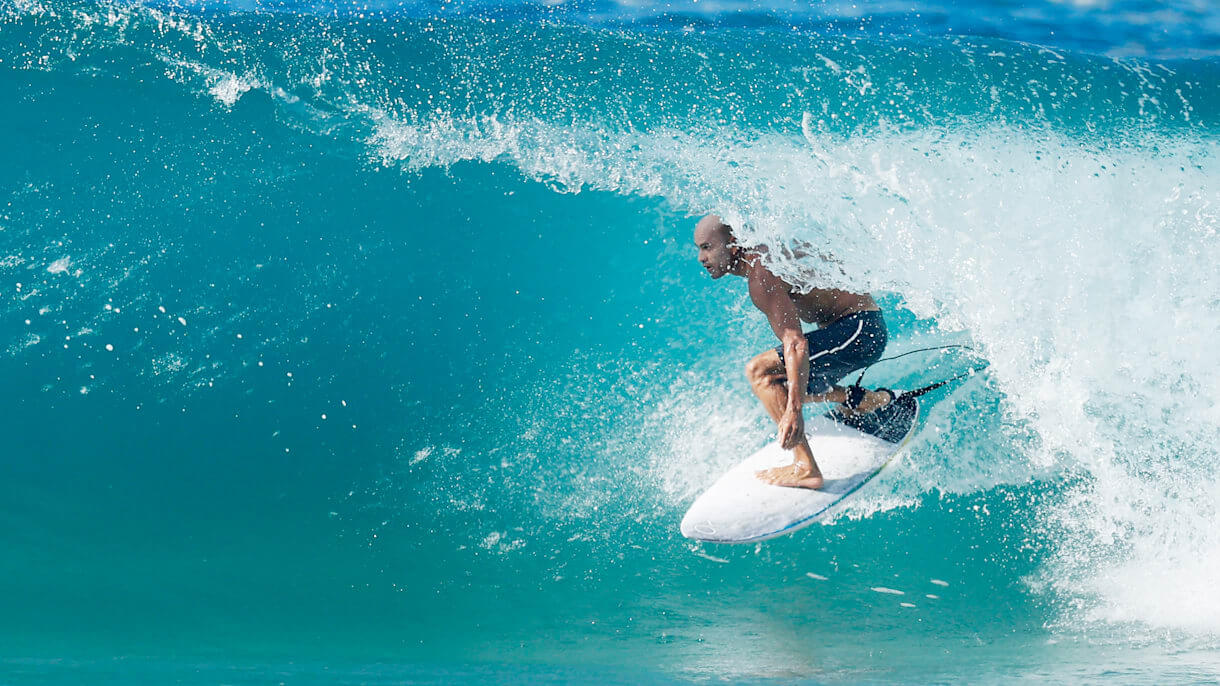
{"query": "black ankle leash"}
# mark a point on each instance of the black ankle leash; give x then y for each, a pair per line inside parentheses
(856, 391)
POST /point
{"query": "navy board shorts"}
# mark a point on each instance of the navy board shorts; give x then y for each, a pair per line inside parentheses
(841, 347)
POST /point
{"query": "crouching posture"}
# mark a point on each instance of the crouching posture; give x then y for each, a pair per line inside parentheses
(805, 367)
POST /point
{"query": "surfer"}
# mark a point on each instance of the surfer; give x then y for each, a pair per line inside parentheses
(850, 334)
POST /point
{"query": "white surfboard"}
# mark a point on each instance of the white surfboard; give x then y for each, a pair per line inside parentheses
(739, 508)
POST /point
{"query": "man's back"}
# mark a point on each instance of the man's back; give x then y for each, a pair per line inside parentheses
(820, 306)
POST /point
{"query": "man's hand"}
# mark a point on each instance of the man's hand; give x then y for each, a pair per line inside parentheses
(791, 428)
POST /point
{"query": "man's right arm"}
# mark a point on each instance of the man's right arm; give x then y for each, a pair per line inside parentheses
(770, 294)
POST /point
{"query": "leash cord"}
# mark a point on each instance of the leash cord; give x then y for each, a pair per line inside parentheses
(858, 388)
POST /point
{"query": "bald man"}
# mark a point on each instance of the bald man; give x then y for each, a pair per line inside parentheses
(805, 367)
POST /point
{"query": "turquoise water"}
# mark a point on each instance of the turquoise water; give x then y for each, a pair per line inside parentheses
(370, 346)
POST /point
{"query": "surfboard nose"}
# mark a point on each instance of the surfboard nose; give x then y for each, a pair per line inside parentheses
(696, 526)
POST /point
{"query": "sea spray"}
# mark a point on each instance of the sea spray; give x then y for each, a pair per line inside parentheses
(423, 291)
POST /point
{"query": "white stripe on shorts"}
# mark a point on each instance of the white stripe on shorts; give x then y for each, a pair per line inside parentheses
(859, 328)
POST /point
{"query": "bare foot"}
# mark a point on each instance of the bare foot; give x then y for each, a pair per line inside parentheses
(793, 475)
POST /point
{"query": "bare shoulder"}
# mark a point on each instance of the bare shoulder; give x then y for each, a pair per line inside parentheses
(764, 282)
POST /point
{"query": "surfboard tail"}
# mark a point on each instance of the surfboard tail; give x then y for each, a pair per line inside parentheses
(890, 423)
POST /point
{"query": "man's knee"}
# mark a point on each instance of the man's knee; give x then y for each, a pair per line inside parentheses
(763, 367)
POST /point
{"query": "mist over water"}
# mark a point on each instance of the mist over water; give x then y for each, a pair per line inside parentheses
(381, 338)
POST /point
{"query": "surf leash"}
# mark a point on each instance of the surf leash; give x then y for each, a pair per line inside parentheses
(856, 391)
(932, 387)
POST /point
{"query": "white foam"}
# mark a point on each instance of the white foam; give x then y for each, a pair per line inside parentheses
(226, 87)
(1085, 273)
(421, 454)
(230, 87)
(27, 341)
(713, 558)
(168, 364)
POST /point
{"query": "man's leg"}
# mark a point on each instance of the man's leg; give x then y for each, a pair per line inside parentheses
(873, 400)
(768, 380)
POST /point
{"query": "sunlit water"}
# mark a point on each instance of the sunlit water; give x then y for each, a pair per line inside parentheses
(347, 346)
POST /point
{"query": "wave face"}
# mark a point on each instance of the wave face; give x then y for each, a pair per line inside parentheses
(380, 336)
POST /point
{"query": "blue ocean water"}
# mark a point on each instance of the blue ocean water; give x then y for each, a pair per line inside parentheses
(366, 344)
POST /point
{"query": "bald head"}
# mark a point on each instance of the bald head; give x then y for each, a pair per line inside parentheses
(718, 252)
(713, 227)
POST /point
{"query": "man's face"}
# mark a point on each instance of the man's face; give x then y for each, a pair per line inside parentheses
(712, 239)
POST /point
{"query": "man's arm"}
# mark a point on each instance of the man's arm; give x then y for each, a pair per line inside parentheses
(770, 294)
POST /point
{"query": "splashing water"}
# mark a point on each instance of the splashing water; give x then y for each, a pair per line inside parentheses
(430, 278)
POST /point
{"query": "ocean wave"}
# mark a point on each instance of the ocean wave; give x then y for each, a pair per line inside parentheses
(1057, 211)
